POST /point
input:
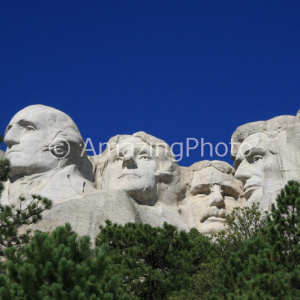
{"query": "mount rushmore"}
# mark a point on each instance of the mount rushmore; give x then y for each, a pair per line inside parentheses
(137, 178)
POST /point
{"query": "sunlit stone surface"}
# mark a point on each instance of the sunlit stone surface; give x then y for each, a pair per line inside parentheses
(266, 155)
(137, 178)
(144, 167)
(212, 194)
(44, 148)
(2, 154)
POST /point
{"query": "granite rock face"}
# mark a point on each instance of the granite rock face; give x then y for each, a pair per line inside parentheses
(44, 147)
(2, 154)
(213, 192)
(142, 165)
(266, 155)
(137, 178)
(89, 212)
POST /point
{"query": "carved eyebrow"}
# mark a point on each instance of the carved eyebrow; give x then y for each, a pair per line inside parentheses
(254, 150)
(257, 150)
(230, 190)
(113, 156)
(25, 123)
(144, 152)
(200, 188)
(248, 154)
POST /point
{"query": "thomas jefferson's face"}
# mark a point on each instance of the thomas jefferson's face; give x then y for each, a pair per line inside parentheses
(133, 167)
(27, 137)
(258, 167)
(214, 196)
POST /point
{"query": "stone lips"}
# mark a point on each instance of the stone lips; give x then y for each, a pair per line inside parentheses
(139, 179)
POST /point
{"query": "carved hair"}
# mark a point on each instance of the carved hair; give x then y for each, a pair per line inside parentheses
(221, 166)
(271, 128)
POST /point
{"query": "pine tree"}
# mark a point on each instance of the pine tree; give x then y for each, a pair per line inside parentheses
(267, 264)
(159, 263)
(254, 272)
(283, 229)
(59, 265)
(242, 223)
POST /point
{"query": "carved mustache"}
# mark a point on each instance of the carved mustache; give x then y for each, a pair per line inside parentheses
(213, 212)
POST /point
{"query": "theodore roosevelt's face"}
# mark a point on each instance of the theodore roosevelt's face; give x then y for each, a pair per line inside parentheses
(26, 137)
(213, 196)
(133, 167)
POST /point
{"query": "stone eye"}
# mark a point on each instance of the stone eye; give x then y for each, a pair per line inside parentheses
(203, 194)
(144, 157)
(116, 159)
(256, 158)
(30, 128)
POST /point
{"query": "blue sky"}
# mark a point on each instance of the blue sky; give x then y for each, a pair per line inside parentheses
(175, 69)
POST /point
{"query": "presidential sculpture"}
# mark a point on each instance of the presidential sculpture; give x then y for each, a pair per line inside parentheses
(44, 147)
(266, 156)
(212, 195)
(137, 178)
(144, 167)
(140, 164)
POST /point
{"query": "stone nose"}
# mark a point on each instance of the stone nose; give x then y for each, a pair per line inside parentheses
(11, 137)
(243, 171)
(129, 162)
(217, 198)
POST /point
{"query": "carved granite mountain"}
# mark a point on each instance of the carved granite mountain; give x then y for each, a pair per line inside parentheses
(44, 147)
(137, 179)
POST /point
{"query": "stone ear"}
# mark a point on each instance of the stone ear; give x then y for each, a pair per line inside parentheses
(163, 176)
(165, 172)
(59, 148)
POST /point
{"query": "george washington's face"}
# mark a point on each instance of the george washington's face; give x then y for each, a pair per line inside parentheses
(133, 167)
(26, 137)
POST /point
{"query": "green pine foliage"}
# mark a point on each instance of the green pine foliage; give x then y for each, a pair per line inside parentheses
(59, 265)
(160, 263)
(243, 223)
(267, 264)
(4, 168)
(12, 219)
(254, 272)
(283, 224)
(283, 230)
